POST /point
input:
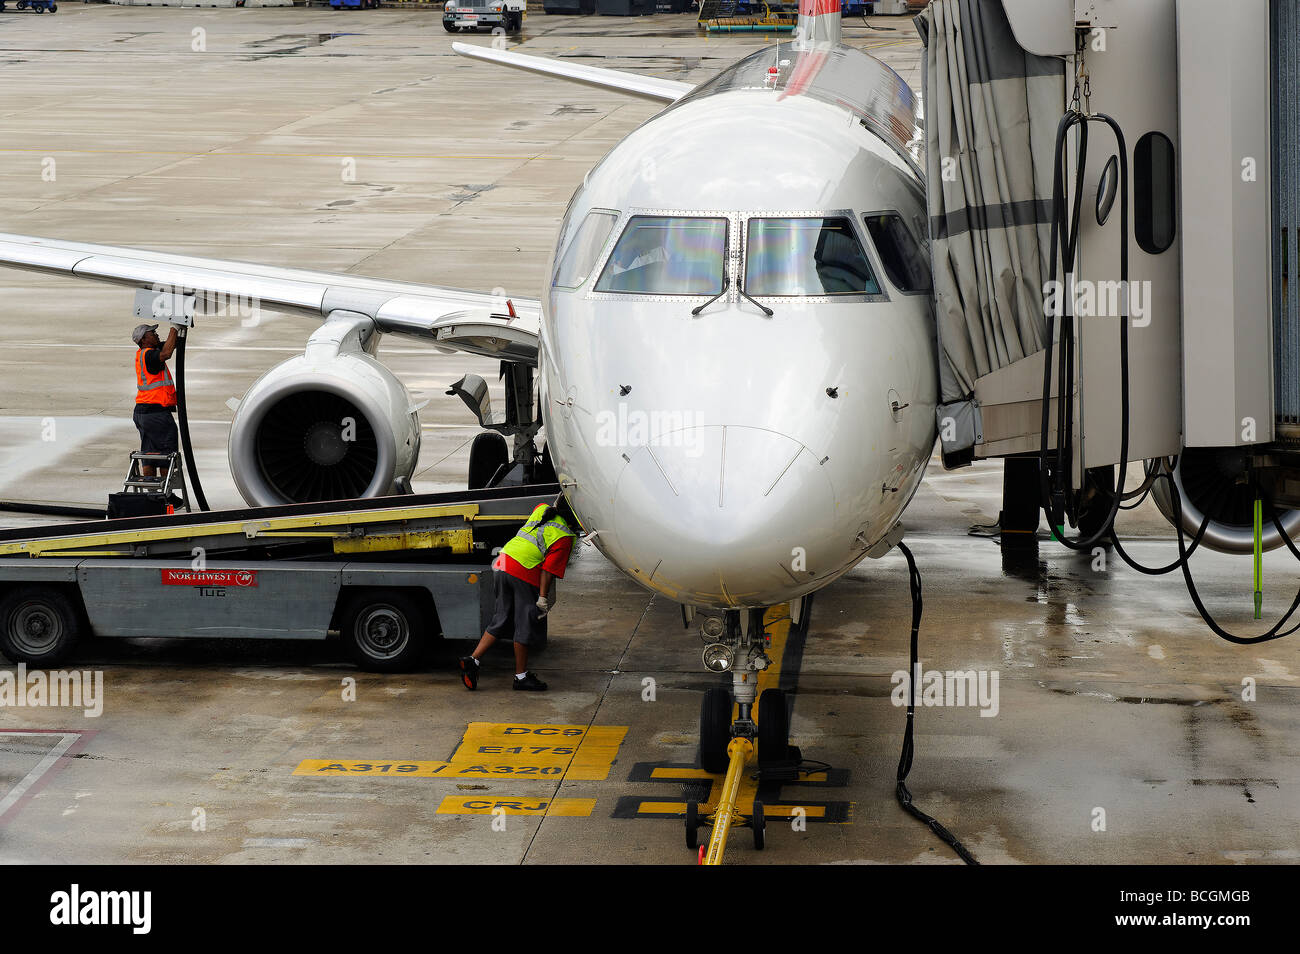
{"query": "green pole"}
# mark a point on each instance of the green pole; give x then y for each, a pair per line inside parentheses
(1259, 558)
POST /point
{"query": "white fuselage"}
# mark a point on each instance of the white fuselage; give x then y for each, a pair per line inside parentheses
(734, 459)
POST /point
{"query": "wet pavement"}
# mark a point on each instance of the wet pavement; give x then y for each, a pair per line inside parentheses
(1121, 730)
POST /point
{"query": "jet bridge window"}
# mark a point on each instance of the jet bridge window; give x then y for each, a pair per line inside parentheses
(1155, 202)
(906, 264)
(796, 256)
(667, 255)
(580, 257)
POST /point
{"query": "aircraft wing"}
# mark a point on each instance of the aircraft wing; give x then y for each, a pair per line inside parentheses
(647, 87)
(453, 319)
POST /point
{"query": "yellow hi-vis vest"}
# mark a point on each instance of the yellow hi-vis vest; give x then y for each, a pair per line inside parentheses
(529, 546)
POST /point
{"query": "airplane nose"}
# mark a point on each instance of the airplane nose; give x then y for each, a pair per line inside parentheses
(725, 515)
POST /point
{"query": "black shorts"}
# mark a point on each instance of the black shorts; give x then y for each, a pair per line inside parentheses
(516, 615)
(158, 433)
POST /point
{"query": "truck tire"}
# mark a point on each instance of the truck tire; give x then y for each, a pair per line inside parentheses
(39, 625)
(383, 630)
(514, 21)
(449, 27)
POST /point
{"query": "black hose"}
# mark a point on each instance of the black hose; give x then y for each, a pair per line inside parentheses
(905, 760)
(42, 508)
(190, 467)
(1065, 238)
(1183, 554)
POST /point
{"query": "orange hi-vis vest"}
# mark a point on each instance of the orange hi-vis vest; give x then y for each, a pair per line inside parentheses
(153, 388)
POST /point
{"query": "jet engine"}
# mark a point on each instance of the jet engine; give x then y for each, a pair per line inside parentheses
(330, 424)
(1218, 482)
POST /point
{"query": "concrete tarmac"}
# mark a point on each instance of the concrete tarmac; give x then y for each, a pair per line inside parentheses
(1121, 732)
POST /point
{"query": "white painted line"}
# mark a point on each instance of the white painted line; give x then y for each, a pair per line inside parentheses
(278, 842)
(31, 778)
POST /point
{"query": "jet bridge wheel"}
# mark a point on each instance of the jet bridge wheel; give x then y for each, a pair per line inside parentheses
(758, 822)
(715, 730)
(39, 625)
(382, 630)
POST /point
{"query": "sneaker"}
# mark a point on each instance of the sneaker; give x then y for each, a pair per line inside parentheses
(469, 672)
(530, 683)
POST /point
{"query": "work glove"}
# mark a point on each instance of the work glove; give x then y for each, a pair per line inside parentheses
(543, 606)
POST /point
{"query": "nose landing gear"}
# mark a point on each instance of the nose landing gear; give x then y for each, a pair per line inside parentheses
(760, 730)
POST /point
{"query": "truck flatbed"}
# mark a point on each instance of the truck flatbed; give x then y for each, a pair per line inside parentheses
(381, 573)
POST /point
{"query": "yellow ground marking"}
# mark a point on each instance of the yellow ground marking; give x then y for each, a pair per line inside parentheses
(769, 811)
(341, 767)
(516, 805)
(500, 750)
(677, 774)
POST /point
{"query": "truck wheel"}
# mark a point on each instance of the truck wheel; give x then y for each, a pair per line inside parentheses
(383, 630)
(514, 22)
(39, 625)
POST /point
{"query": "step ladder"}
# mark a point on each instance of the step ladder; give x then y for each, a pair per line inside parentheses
(172, 483)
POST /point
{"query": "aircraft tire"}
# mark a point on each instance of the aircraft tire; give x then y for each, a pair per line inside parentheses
(486, 455)
(715, 730)
(773, 727)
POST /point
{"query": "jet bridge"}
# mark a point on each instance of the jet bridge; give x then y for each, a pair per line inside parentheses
(1197, 181)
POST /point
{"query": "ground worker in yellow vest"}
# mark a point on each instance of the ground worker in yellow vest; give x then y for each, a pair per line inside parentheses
(155, 394)
(524, 578)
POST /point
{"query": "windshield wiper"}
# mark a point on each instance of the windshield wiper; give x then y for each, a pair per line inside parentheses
(743, 294)
(726, 281)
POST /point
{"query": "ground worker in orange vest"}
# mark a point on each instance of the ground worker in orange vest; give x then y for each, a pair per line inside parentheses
(524, 578)
(155, 395)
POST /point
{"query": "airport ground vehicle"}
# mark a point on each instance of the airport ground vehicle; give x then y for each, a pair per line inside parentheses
(383, 574)
(36, 6)
(475, 14)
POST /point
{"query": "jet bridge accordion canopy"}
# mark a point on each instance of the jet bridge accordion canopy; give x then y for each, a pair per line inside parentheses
(991, 112)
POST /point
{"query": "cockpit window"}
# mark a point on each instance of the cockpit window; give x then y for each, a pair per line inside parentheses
(667, 255)
(806, 257)
(580, 257)
(906, 264)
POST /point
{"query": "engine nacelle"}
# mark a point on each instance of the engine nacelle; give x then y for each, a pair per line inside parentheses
(331, 424)
(1215, 481)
